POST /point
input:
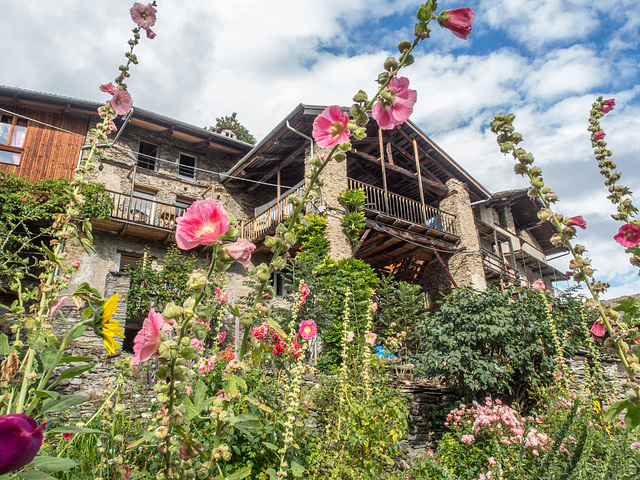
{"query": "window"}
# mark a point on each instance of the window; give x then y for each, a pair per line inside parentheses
(280, 283)
(143, 205)
(12, 132)
(187, 166)
(147, 155)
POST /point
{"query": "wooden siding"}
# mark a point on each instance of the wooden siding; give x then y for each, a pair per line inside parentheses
(48, 152)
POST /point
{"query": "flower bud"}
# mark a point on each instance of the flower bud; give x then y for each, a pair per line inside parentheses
(345, 147)
(189, 303)
(404, 45)
(245, 320)
(544, 214)
(161, 432)
(172, 311)
(360, 97)
(339, 157)
(391, 64)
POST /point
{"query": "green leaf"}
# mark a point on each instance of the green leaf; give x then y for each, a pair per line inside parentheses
(74, 429)
(73, 371)
(78, 333)
(632, 418)
(53, 464)
(615, 409)
(75, 359)
(239, 474)
(270, 446)
(46, 393)
(200, 401)
(257, 403)
(63, 403)
(276, 326)
(5, 349)
(297, 469)
(272, 474)
(34, 474)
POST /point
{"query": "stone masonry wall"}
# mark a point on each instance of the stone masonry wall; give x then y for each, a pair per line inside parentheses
(466, 265)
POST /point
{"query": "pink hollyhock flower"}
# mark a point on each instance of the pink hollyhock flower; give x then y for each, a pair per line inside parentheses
(628, 235)
(330, 127)
(220, 295)
(303, 291)
(638, 341)
(308, 329)
(67, 436)
(56, 305)
(458, 21)
(222, 336)
(20, 440)
(370, 338)
(121, 102)
(108, 88)
(599, 135)
(145, 17)
(578, 221)
(350, 335)
(598, 329)
(399, 108)
(539, 285)
(374, 307)
(148, 340)
(241, 251)
(608, 105)
(197, 343)
(202, 224)
(635, 446)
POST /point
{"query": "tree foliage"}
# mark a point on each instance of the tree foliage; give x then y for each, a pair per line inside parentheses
(498, 342)
(232, 123)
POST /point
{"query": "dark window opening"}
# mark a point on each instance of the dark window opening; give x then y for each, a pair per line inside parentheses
(147, 155)
(187, 166)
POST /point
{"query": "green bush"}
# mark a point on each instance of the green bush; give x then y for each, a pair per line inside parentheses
(498, 342)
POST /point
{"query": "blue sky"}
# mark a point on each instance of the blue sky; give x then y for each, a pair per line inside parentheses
(544, 60)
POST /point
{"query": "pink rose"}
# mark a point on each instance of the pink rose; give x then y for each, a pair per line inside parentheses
(458, 21)
(241, 251)
(202, 224)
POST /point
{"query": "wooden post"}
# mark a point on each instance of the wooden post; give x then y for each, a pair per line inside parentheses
(279, 192)
(384, 171)
(133, 185)
(455, 285)
(417, 157)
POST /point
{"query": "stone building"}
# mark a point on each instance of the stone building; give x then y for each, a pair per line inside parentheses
(428, 221)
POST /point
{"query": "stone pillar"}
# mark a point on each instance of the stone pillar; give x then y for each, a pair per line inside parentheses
(466, 265)
(335, 181)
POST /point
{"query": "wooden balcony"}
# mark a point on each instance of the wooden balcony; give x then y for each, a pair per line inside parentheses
(258, 227)
(405, 210)
(499, 271)
(140, 217)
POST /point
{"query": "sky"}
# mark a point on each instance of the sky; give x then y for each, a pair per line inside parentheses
(544, 60)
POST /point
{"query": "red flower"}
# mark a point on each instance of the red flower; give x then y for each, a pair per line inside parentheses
(148, 340)
(330, 127)
(628, 235)
(308, 329)
(20, 440)
(241, 251)
(598, 136)
(67, 436)
(578, 221)
(458, 21)
(598, 329)
(608, 105)
(202, 224)
(398, 107)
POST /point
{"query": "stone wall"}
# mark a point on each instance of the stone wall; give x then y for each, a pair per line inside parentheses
(465, 266)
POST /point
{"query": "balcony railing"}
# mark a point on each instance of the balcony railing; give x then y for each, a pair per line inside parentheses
(496, 265)
(143, 211)
(403, 208)
(262, 224)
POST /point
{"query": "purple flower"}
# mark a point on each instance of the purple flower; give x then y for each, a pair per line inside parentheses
(20, 440)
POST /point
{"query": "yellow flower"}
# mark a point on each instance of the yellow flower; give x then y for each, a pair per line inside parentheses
(106, 327)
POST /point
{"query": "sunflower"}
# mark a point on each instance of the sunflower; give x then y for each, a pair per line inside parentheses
(106, 327)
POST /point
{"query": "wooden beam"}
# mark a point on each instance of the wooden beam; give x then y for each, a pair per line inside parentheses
(453, 282)
(429, 157)
(417, 157)
(430, 185)
(362, 239)
(372, 246)
(389, 153)
(204, 143)
(384, 171)
(411, 237)
(273, 170)
(167, 133)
